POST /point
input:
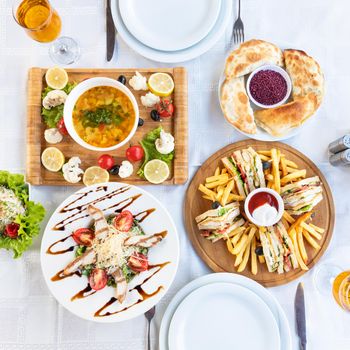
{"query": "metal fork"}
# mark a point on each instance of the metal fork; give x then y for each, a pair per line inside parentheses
(238, 28)
(149, 315)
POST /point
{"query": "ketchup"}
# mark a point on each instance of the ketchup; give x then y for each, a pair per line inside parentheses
(261, 198)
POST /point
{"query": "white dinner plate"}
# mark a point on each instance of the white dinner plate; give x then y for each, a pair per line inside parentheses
(169, 25)
(72, 214)
(264, 294)
(223, 316)
(223, 19)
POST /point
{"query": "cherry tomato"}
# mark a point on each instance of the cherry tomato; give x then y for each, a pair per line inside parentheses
(165, 108)
(98, 279)
(123, 221)
(138, 262)
(83, 236)
(134, 153)
(106, 161)
(11, 230)
(62, 127)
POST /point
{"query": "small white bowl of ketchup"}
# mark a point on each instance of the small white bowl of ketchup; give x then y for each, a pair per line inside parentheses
(264, 207)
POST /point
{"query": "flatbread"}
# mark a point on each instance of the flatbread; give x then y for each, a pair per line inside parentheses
(236, 106)
(251, 55)
(278, 121)
(305, 73)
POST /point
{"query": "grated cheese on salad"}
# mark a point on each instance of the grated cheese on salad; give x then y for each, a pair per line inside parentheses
(110, 251)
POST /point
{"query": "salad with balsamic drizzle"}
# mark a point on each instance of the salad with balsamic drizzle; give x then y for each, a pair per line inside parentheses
(112, 251)
(20, 218)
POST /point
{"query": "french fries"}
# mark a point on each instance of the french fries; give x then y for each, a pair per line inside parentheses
(253, 261)
(293, 176)
(275, 170)
(293, 236)
(301, 245)
(242, 242)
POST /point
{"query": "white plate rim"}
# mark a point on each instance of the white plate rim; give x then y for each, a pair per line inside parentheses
(262, 135)
(157, 298)
(131, 24)
(219, 286)
(268, 298)
(176, 56)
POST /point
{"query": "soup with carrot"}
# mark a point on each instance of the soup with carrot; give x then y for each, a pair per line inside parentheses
(103, 116)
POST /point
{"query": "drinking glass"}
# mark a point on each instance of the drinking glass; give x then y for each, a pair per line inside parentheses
(341, 290)
(38, 18)
(43, 24)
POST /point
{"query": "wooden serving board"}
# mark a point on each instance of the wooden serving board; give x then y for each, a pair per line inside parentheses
(216, 255)
(177, 125)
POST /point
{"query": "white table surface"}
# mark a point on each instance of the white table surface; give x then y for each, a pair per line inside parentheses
(30, 318)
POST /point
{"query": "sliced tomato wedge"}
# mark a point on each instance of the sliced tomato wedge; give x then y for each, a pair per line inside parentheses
(138, 262)
(98, 279)
(123, 221)
(11, 230)
(84, 236)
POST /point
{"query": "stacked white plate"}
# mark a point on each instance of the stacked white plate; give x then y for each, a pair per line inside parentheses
(171, 30)
(224, 311)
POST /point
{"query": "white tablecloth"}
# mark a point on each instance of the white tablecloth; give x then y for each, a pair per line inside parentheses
(30, 318)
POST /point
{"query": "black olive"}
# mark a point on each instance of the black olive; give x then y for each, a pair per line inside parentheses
(122, 79)
(155, 115)
(312, 215)
(215, 205)
(259, 250)
(266, 165)
(114, 170)
(141, 122)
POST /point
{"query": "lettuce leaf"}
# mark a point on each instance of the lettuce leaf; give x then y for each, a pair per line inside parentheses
(149, 147)
(52, 116)
(29, 222)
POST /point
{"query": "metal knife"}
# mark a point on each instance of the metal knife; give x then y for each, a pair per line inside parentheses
(110, 31)
(299, 307)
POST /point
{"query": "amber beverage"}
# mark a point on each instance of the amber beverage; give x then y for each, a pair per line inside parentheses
(341, 290)
(38, 18)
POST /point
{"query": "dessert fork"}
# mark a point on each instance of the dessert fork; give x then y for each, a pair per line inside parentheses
(149, 316)
(237, 36)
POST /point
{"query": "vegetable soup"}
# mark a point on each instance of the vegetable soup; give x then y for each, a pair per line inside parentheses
(103, 116)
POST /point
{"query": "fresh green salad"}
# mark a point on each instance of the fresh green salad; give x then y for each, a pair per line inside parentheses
(52, 116)
(149, 147)
(20, 218)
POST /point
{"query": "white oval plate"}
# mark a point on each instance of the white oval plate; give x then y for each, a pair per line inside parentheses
(169, 25)
(201, 47)
(249, 284)
(261, 134)
(166, 251)
(223, 316)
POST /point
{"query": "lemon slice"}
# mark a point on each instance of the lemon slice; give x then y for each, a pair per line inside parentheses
(52, 159)
(56, 78)
(156, 171)
(95, 175)
(161, 84)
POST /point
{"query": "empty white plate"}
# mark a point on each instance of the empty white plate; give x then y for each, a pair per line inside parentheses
(223, 316)
(169, 25)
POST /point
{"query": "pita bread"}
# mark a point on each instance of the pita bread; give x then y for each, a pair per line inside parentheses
(305, 73)
(236, 106)
(278, 121)
(251, 55)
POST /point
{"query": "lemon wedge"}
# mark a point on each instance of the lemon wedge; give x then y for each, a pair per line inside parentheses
(95, 175)
(52, 159)
(156, 171)
(161, 84)
(56, 78)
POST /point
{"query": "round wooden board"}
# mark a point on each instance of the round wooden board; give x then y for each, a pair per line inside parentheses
(216, 255)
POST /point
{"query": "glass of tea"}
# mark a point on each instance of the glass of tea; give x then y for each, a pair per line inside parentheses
(38, 18)
(42, 23)
(341, 290)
